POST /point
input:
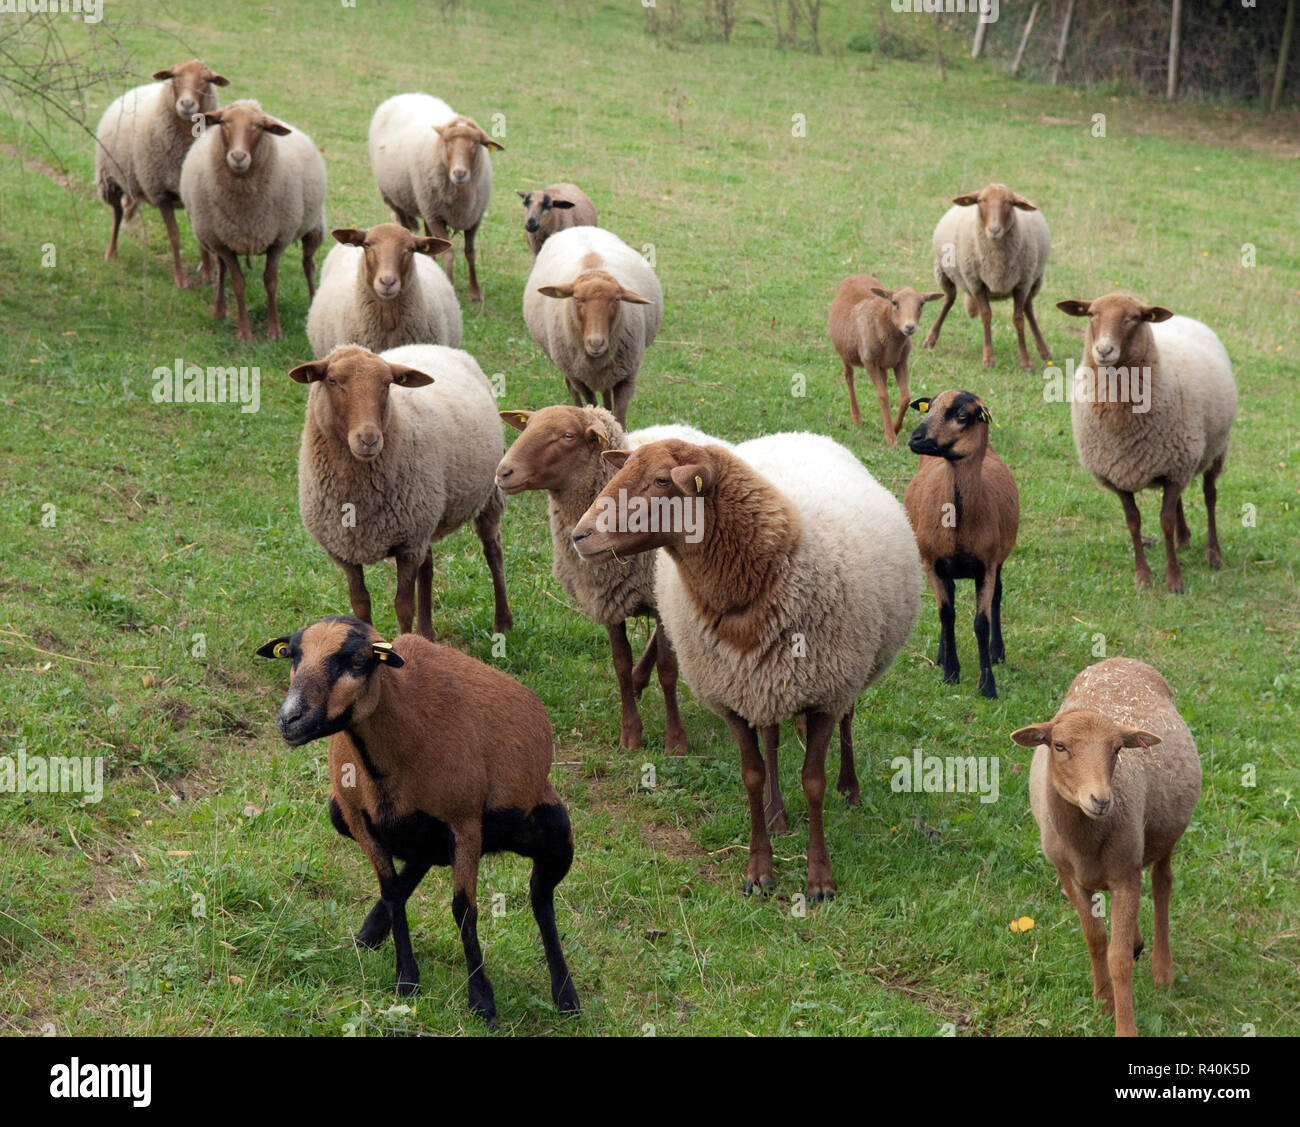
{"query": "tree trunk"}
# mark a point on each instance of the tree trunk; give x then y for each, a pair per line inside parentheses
(1024, 39)
(1283, 52)
(1059, 61)
(1175, 35)
(981, 29)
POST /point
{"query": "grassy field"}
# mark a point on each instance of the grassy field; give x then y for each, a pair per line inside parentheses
(149, 548)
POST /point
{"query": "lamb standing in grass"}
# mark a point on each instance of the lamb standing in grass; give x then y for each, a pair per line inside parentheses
(380, 289)
(432, 163)
(253, 185)
(801, 589)
(553, 209)
(1114, 780)
(1153, 404)
(388, 464)
(141, 144)
(992, 244)
(595, 306)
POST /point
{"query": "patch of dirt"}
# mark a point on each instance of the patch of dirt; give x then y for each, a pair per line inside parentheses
(35, 164)
(942, 1005)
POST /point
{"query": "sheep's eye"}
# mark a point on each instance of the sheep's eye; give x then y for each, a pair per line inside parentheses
(331, 381)
(663, 481)
(1060, 746)
(567, 435)
(963, 419)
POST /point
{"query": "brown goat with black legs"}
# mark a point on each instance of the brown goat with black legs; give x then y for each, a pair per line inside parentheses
(872, 328)
(965, 510)
(436, 759)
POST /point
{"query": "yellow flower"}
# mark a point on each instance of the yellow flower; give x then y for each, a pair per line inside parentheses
(1024, 923)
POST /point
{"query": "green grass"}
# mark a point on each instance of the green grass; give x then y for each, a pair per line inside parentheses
(207, 892)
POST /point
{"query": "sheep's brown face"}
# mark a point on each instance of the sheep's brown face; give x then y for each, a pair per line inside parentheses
(537, 204)
(356, 383)
(242, 128)
(462, 139)
(335, 676)
(191, 86)
(1117, 326)
(1085, 747)
(655, 500)
(553, 449)
(956, 425)
(997, 205)
(905, 306)
(597, 304)
(390, 251)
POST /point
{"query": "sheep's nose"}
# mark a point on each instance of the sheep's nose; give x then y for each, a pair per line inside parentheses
(386, 284)
(531, 225)
(367, 443)
(596, 346)
(291, 711)
(238, 159)
(188, 106)
(459, 175)
(1099, 805)
(579, 537)
(910, 328)
(1104, 353)
(995, 232)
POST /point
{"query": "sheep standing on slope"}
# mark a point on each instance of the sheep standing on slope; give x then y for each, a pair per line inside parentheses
(595, 306)
(872, 328)
(992, 244)
(965, 510)
(253, 185)
(380, 289)
(436, 759)
(432, 163)
(799, 591)
(389, 464)
(1113, 784)
(553, 209)
(141, 144)
(1153, 404)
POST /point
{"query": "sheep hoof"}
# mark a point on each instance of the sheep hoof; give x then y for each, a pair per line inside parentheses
(1142, 579)
(951, 677)
(372, 941)
(503, 623)
(406, 989)
(1213, 558)
(631, 739)
(988, 689)
(821, 894)
(989, 363)
(851, 795)
(777, 824)
(566, 1000)
(763, 884)
(1175, 586)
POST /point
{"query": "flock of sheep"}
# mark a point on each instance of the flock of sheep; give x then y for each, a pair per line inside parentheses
(789, 579)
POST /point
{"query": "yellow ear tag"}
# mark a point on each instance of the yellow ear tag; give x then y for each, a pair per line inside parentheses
(699, 483)
(382, 650)
(923, 406)
(281, 650)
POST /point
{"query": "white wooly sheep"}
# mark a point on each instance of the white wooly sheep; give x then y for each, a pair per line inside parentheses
(380, 289)
(800, 592)
(1178, 370)
(992, 244)
(594, 304)
(399, 449)
(431, 163)
(253, 185)
(141, 144)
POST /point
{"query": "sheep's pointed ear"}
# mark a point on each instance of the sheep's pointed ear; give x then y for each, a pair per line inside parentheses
(517, 419)
(163, 75)
(310, 372)
(276, 647)
(1136, 737)
(270, 125)
(350, 236)
(597, 434)
(563, 205)
(555, 291)
(522, 194)
(931, 297)
(438, 130)
(886, 294)
(984, 415)
(213, 117)
(1023, 204)
(384, 652)
(966, 200)
(1156, 313)
(409, 377)
(495, 146)
(1032, 736)
(218, 80)
(922, 405)
(1075, 308)
(616, 458)
(432, 245)
(693, 480)
(633, 298)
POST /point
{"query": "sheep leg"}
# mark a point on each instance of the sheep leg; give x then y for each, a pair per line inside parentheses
(630, 733)
(997, 649)
(820, 726)
(949, 296)
(1184, 539)
(424, 596)
(900, 378)
(854, 413)
(1133, 518)
(1124, 898)
(358, 596)
(573, 391)
(205, 264)
(945, 592)
(1162, 884)
(985, 311)
(464, 910)
(773, 803)
(1018, 319)
(847, 784)
(759, 873)
(271, 280)
(1210, 486)
(880, 381)
(310, 244)
(488, 526)
(984, 588)
(551, 862)
(408, 567)
(646, 663)
(393, 898)
(674, 731)
(1169, 526)
(379, 922)
(116, 205)
(230, 263)
(622, 397)
(1094, 935)
(174, 238)
(1039, 342)
(475, 293)
(439, 228)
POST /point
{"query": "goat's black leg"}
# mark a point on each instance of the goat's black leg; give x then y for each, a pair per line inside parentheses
(848, 780)
(551, 861)
(379, 922)
(464, 910)
(997, 650)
